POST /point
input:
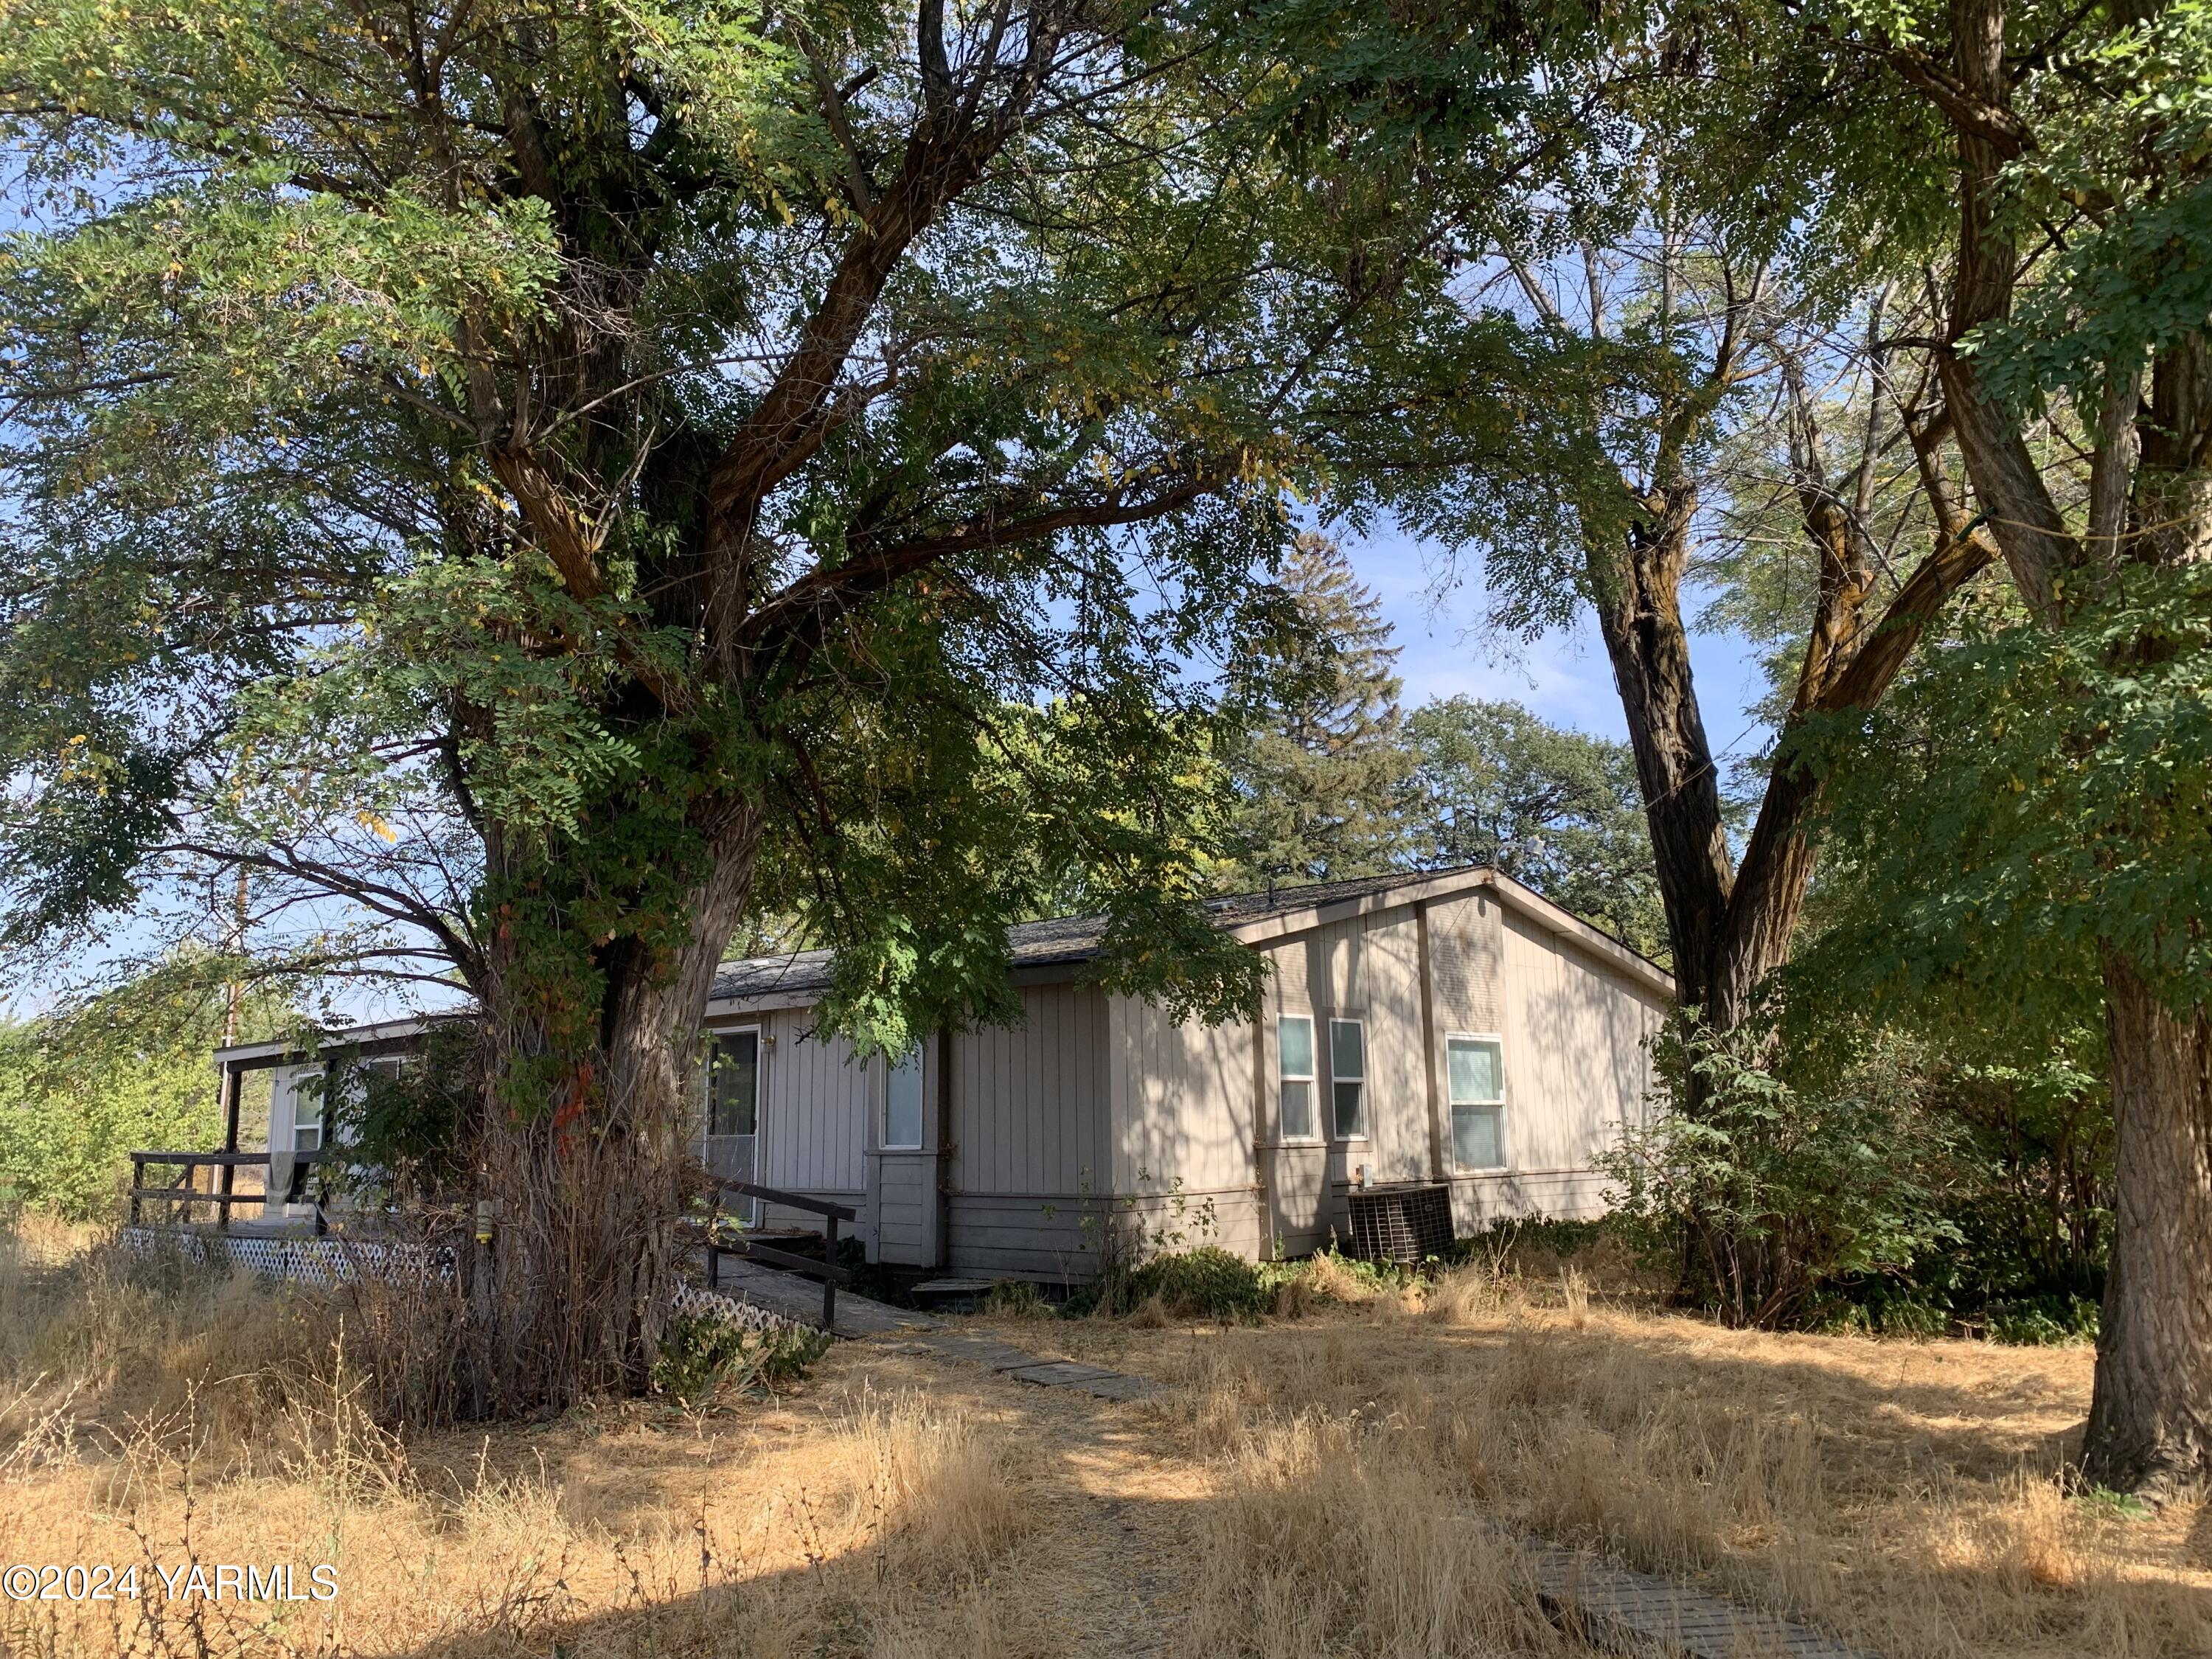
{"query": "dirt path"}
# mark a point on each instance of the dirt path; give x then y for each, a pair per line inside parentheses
(1110, 1563)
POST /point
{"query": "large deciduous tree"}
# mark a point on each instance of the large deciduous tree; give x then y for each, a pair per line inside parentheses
(2075, 360)
(1493, 783)
(529, 482)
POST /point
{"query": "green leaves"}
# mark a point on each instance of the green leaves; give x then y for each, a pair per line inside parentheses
(2126, 165)
(1778, 1193)
(2055, 793)
(1551, 807)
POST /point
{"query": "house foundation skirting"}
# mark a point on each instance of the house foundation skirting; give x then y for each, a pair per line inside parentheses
(325, 1263)
(321, 1263)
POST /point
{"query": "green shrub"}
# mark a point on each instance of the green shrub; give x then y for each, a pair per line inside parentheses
(83, 1088)
(1917, 1316)
(1207, 1283)
(2043, 1322)
(701, 1354)
(1530, 1235)
(1776, 1197)
(1016, 1297)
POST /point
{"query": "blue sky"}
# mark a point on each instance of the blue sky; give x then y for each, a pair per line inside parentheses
(1564, 677)
(1443, 652)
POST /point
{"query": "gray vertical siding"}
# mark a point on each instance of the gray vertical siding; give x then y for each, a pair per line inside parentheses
(813, 1109)
(813, 1116)
(1030, 1111)
(1577, 1063)
(1184, 1155)
(1368, 968)
(1031, 1152)
(1103, 1107)
(1397, 1083)
(1295, 1174)
(905, 1181)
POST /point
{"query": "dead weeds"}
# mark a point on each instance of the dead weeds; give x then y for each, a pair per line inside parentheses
(1345, 1482)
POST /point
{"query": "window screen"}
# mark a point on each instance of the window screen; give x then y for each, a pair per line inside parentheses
(308, 1114)
(1477, 1065)
(1347, 1076)
(1294, 1055)
(734, 1105)
(902, 1103)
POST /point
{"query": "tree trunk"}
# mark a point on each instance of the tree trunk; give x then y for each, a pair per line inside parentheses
(1639, 613)
(2150, 1418)
(592, 1173)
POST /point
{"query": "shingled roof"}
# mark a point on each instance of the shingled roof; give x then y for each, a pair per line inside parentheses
(1063, 939)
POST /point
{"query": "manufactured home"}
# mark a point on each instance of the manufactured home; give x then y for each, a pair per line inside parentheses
(1452, 1030)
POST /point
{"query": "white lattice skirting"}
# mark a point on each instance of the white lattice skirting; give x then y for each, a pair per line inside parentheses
(321, 1262)
(325, 1262)
(713, 1304)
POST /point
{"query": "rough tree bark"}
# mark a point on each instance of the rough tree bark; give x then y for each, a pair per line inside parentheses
(582, 1144)
(1639, 614)
(1731, 925)
(2150, 1415)
(589, 1192)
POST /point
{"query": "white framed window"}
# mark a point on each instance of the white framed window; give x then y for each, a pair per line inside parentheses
(307, 1109)
(1475, 1067)
(1294, 1064)
(903, 1105)
(1347, 1079)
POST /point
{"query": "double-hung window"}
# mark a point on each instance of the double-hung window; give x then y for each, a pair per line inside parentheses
(1294, 1058)
(1477, 1068)
(903, 1105)
(307, 1104)
(1347, 1078)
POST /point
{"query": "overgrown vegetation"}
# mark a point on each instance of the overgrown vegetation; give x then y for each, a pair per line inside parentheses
(1207, 1283)
(1879, 1181)
(80, 1091)
(703, 1355)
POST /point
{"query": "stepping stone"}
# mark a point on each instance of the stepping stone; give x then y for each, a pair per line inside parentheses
(1059, 1373)
(978, 1349)
(1085, 1379)
(1009, 1361)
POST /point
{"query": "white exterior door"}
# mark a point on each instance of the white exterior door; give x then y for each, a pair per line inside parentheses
(734, 1103)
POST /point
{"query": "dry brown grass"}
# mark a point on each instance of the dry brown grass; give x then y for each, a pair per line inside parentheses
(1335, 1536)
(884, 1507)
(1344, 1483)
(1912, 1497)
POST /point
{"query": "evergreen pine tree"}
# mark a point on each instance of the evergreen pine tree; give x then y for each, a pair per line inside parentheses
(1320, 761)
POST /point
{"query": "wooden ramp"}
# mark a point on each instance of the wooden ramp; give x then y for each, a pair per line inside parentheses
(801, 1299)
(1616, 1607)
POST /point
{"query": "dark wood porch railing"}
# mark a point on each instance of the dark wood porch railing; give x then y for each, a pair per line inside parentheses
(223, 1170)
(720, 1244)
